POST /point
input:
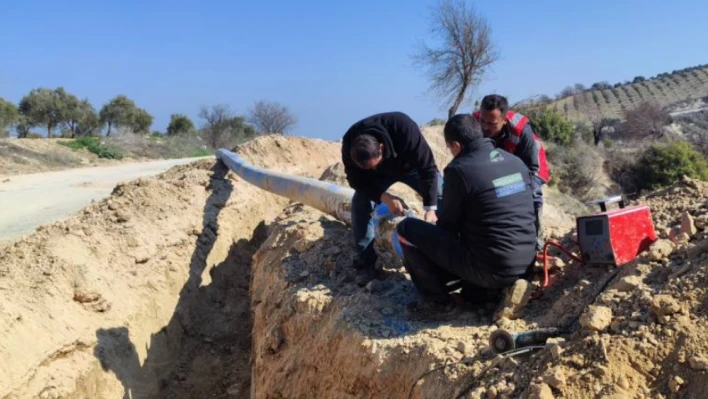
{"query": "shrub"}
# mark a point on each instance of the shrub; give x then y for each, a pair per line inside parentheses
(661, 166)
(552, 126)
(94, 145)
(577, 170)
(621, 166)
(34, 136)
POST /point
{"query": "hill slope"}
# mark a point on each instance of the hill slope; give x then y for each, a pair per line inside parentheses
(665, 89)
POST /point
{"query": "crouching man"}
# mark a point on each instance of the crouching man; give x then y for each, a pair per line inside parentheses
(485, 234)
(377, 152)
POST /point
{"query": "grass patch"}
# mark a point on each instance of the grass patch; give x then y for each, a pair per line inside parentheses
(94, 145)
(201, 152)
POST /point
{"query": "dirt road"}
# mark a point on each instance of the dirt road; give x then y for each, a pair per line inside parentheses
(28, 201)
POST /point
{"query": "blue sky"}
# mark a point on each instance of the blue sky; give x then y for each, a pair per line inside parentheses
(332, 64)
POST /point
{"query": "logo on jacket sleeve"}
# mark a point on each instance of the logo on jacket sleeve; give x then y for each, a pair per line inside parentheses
(509, 184)
(495, 156)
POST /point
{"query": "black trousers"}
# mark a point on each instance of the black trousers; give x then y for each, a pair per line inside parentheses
(437, 257)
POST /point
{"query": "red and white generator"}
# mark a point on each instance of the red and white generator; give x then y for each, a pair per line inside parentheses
(617, 236)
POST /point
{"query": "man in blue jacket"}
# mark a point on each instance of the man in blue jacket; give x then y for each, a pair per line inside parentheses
(486, 233)
(377, 152)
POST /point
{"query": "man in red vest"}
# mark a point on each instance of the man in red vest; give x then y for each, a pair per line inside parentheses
(512, 131)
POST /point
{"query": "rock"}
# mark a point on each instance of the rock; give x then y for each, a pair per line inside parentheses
(596, 318)
(142, 256)
(701, 222)
(122, 216)
(387, 311)
(688, 226)
(307, 301)
(555, 377)
(628, 284)
(304, 273)
(675, 384)
(540, 391)
(623, 383)
(698, 363)
(664, 305)
(601, 371)
(514, 299)
(556, 351)
(661, 249)
(462, 347)
(556, 263)
(303, 245)
(132, 242)
(682, 238)
(699, 248)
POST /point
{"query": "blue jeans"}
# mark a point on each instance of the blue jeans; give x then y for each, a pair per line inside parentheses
(363, 225)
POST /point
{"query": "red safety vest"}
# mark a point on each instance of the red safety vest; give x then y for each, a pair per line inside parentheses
(517, 122)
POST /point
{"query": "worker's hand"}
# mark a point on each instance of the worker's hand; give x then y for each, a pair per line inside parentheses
(430, 217)
(395, 204)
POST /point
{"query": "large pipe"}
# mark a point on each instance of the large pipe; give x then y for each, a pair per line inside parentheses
(328, 198)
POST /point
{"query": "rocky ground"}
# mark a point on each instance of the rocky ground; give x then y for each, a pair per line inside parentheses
(150, 293)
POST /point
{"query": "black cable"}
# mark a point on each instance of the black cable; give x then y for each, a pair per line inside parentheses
(496, 362)
(504, 355)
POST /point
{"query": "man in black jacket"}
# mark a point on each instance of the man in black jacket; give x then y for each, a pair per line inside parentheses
(485, 235)
(377, 152)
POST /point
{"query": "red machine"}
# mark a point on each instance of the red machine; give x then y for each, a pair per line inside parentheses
(617, 236)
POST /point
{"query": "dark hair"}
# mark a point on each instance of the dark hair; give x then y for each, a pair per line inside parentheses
(364, 148)
(495, 101)
(462, 128)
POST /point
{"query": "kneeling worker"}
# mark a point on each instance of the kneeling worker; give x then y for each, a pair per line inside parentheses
(485, 234)
(377, 152)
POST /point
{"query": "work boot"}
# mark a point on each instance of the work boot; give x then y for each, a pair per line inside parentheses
(514, 298)
(365, 271)
(479, 296)
(431, 310)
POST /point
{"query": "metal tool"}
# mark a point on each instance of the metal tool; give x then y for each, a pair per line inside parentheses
(502, 340)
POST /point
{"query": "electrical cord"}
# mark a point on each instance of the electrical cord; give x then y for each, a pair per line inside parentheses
(497, 361)
(498, 358)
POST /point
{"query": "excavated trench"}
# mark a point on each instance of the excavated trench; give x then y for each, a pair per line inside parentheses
(194, 284)
(144, 294)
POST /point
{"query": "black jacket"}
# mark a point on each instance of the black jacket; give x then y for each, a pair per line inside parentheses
(405, 151)
(488, 202)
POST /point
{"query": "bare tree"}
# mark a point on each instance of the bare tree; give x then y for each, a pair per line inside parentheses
(647, 120)
(271, 117)
(598, 121)
(465, 54)
(222, 128)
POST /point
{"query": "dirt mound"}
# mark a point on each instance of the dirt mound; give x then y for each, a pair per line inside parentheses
(20, 156)
(317, 335)
(144, 293)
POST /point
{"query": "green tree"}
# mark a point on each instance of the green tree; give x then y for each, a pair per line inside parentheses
(80, 116)
(9, 115)
(45, 107)
(140, 121)
(117, 112)
(88, 122)
(179, 125)
(661, 166)
(552, 126)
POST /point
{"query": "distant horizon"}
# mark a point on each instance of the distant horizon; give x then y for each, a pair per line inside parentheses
(331, 64)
